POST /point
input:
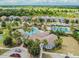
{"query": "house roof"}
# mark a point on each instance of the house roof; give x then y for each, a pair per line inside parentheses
(44, 36)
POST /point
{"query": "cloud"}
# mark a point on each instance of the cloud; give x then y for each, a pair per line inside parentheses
(73, 2)
(55, 1)
(12, 1)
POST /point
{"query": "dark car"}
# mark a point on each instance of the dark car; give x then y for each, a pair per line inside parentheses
(15, 55)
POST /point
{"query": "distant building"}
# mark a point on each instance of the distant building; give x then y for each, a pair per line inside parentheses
(3, 18)
(25, 18)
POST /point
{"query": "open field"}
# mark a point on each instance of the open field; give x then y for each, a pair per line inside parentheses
(70, 45)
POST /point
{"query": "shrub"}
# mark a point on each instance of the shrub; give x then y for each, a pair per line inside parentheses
(34, 50)
(8, 42)
(58, 33)
(45, 42)
(3, 24)
(1, 32)
(16, 34)
(33, 47)
(58, 42)
(18, 41)
(76, 35)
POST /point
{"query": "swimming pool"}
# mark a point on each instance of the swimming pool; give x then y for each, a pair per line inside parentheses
(61, 29)
(33, 31)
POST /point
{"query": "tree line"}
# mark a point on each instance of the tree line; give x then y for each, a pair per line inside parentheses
(39, 12)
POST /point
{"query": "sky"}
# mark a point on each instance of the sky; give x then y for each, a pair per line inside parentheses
(39, 2)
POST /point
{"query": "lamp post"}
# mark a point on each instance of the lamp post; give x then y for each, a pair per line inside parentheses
(41, 49)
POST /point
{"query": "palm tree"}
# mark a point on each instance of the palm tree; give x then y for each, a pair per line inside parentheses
(3, 24)
(72, 25)
(58, 42)
(45, 42)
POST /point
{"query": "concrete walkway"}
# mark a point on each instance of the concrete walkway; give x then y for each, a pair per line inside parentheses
(5, 48)
(58, 55)
(24, 53)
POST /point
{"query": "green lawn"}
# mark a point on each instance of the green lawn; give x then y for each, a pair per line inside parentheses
(1, 43)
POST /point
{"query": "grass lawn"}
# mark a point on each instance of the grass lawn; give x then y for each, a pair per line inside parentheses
(70, 45)
(2, 51)
(46, 55)
(4, 35)
(1, 43)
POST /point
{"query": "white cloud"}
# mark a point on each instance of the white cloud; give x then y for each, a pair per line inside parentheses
(58, 1)
(12, 1)
(44, 0)
(68, 1)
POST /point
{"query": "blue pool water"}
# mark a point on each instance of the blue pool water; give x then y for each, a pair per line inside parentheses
(33, 31)
(61, 29)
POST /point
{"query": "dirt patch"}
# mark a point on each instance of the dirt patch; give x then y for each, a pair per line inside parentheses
(70, 45)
